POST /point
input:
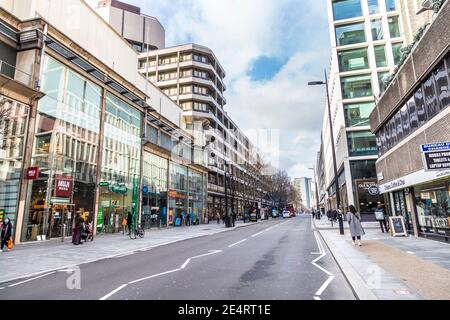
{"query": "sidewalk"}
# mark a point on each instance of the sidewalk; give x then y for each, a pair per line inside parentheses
(35, 258)
(386, 268)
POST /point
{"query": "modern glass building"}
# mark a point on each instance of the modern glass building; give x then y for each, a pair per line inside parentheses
(366, 38)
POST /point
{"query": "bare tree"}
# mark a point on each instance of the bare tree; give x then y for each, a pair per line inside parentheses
(5, 123)
(280, 188)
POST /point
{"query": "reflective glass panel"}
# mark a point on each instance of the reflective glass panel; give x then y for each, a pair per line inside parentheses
(350, 34)
(361, 143)
(396, 52)
(357, 114)
(377, 29)
(431, 100)
(356, 86)
(394, 27)
(380, 56)
(353, 60)
(443, 92)
(344, 9)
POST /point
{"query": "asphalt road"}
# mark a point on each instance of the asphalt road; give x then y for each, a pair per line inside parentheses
(280, 259)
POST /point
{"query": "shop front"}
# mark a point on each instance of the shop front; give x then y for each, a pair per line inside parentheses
(63, 154)
(154, 191)
(197, 197)
(178, 195)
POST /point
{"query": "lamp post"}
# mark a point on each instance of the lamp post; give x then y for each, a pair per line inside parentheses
(333, 151)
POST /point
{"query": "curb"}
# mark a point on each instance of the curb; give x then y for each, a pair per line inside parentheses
(122, 252)
(356, 282)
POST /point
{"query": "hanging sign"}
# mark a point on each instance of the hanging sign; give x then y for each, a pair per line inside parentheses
(63, 186)
(32, 173)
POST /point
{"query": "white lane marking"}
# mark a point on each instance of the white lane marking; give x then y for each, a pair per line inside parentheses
(322, 253)
(158, 274)
(410, 252)
(125, 254)
(324, 286)
(2, 288)
(154, 276)
(257, 234)
(28, 280)
(202, 255)
(317, 298)
(236, 243)
(113, 292)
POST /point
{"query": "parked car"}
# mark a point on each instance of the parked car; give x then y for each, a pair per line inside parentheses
(286, 214)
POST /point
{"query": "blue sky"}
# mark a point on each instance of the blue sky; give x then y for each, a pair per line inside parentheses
(270, 49)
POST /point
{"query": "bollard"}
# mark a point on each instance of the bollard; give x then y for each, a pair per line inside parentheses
(63, 227)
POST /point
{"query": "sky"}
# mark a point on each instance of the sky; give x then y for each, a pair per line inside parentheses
(269, 49)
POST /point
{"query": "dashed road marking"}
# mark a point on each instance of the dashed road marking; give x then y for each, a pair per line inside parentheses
(322, 253)
(28, 280)
(236, 243)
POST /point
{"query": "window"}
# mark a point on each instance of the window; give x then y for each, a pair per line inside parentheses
(431, 100)
(390, 5)
(356, 86)
(344, 9)
(350, 34)
(420, 107)
(380, 56)
(357, 114)
(377, 29)
(405, 120)
(443, 92)
(394, 28)
(381, 76)
(353, 60)
(396, 52)
(185, 89)
(412, 111)
(398, 126)
(361, 143)
(373, 6)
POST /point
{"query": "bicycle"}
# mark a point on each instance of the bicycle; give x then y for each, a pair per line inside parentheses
(139, 231)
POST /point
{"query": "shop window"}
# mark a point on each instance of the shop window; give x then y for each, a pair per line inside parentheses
(345, 9)
(433, 208)
(350, 34)
(355, 59)
(377, 29)
(442, 88)
(356, 86)
(431, 100)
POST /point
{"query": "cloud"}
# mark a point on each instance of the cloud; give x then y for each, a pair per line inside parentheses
(294, 32)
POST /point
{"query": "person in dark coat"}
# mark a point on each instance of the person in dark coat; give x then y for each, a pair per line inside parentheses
(6, 232)
(129, 221)
(78, 227)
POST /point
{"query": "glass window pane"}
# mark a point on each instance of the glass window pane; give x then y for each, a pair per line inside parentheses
(361, 143)
(390, 5)
(357, 114)
(353, 60)
(443, 92)
(431, 100)
(405, 120)
(356, 86)
(377, 29)
(344, 9)
(373, 6)
(394, 28)
(396, 52)
(413, 118)
(350, 34)
(420, 106)
(380, 56)
(398, 126)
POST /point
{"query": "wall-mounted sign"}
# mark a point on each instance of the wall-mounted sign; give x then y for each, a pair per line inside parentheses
(436, 156)
(104, 184)
(63, 186)
(32, 173)
(369, 186)
(145, 189)
(432, 147)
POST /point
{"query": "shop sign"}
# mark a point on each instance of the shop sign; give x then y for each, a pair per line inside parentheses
(145, 189)
(431, 147)
(437, 160)
(63, 187)
(369, 186)
(412, 179)
(119, 188)
(60, 200)
(104, 184)
(32, 173)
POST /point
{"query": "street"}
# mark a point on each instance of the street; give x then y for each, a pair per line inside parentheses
(278, 259)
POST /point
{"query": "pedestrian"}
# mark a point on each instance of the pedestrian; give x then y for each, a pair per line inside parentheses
(354, 222)
(129, 222)
(233, 217)
(218, 217)
(78, 227)
(74, 231)
(6, 232)
(381, 218)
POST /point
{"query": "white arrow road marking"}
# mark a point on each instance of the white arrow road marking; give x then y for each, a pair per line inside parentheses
(236, 243)
(322, 253)
(158, 274)
(202, 255)
(21, 282)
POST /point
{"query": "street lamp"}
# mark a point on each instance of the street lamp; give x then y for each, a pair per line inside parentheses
(315, 183)
(336, 183)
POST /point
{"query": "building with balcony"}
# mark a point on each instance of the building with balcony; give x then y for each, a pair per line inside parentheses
(366, 37)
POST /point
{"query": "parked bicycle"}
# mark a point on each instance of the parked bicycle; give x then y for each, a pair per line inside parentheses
(138, 231)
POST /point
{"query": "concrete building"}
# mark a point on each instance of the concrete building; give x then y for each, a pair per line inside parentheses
(411, 121)
(143, 32)
(366, 37)
(84, 131)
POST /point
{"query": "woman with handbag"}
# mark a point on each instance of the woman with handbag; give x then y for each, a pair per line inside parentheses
(354, 222)
(6, 231)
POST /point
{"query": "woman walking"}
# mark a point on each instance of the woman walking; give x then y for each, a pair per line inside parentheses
(6, 231)
(354, 222)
